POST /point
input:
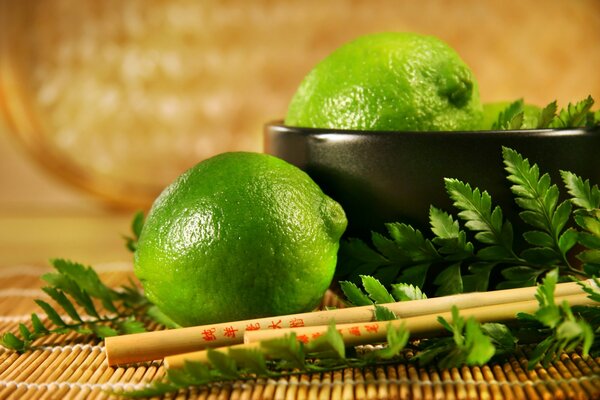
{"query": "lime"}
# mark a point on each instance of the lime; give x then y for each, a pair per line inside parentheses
(238, 236)
(491, 112)
(389, 81)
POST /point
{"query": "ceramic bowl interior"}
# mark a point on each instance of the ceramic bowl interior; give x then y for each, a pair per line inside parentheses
(381, 177)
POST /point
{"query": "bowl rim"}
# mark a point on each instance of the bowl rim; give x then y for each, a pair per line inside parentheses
(279, 126)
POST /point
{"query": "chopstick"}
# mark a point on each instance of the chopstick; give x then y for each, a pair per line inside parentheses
(159, 344)
(355, 334)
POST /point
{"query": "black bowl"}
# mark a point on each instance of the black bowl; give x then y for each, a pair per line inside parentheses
(381, 177)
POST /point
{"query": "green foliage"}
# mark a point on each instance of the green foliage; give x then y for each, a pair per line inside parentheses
(376, 293)
(576, 115)
(538, 199)
(136, 229)
(384, 314)
(591, 314)
(586, 199)
(457, 260)
(511, 117)
(564, 331)
(468, 344)
(76, 291)
(276, 358)
(547, 115)
(404, 292)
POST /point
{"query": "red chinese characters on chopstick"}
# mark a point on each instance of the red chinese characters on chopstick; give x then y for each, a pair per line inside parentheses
(221, 334)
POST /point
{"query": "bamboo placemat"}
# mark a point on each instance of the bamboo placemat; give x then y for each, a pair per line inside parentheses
(74, 366)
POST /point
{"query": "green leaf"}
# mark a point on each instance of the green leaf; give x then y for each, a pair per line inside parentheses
(360, 251)
(494, 253)
(70, 287)
(377, 292)
(478, 278)
(131, 326)
(354, 294)
(468, 345)
(539, 352)
(384, 314)
(197, 372)
(442, 224)
(412, 243)
(561, 216)
(137, 223)
(432, 350)
(591, 290)
(519, 276)
(591, 269)
(223, 363)
(516, 122)
(449, 281)
(51, 313)
(588, 240)
(540, 256)
(575, 115)
(588, 337)
(450, 239)
(589, 221)
(65, 290)
(480, 347)
(414, 275)
(63, 301)
(180, 378)
(251, 359)
(539, 199)
(332, 341)
(103, 331)
(12, 342)
(397, 338)
(533, 218)
(24, 331)
(568, 240)
(567, 331)
(87, 279)
(356, 258)
(538, 238)
(548, 313)
(547, 115)
(38, 326)
(476, 211)
(388, 248)
(549, 316)
(545, 291)
(510, 117)
(287, 348)
(501, 337)
(583, 194)
(405, 291)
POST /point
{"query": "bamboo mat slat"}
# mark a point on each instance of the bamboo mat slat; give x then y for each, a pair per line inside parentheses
(74, 366)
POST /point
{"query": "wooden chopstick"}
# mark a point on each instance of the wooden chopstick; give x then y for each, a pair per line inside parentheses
(156, 345)
(375, 332)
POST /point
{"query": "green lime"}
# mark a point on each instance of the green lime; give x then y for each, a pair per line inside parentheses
(491, 112)
(389, 81)
(238, 236)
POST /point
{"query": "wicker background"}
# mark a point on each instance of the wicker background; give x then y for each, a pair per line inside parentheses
(74, 367)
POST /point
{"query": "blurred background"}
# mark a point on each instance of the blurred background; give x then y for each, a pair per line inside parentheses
(103, 103)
